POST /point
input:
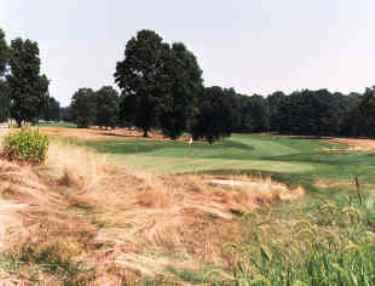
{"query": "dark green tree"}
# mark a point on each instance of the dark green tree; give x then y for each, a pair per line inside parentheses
(127, 110)
(140, 75)
(257, 107)
(314, 113)
(245, 120)
(107, 107)
(183, 78)
(28, 89)
(4, 101)
(66, 114)
(360, 121)
(52, 110)
(4, 88)
(274, 102)
(83, 107)
(217, 115)
(352, 118)
(252, 113)
(4, 53)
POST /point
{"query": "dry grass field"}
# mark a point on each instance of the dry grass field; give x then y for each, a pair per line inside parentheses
(80, 219)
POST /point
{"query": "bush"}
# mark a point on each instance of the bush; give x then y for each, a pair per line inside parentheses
(26, 145)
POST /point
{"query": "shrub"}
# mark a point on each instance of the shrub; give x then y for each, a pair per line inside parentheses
(26, 145)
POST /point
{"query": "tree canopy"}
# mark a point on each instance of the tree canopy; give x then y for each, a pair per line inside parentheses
(51, 110)
(360, 120)
(184, 86)
(140, 77)
(4, 88)
(107, 107)
(83, 107)
(4, 101)
(28, 89)
(216, 117)
(4, 53)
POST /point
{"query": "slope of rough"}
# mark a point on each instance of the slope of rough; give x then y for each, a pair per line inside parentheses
(119, 222)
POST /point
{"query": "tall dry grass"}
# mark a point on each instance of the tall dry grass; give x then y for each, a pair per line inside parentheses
(79, 211)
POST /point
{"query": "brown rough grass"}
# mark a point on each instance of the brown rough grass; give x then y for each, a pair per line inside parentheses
(124, 223)
(102, 134)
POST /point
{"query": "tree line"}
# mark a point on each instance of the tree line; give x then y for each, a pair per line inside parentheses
(312, 113)
(161, 87)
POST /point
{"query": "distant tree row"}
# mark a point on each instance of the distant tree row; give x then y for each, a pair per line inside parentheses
(162, 88)
(307, 112)
(23, 89)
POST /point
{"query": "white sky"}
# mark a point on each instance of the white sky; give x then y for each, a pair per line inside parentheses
(256, 46)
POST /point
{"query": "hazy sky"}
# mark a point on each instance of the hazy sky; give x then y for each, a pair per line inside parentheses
(256, 46)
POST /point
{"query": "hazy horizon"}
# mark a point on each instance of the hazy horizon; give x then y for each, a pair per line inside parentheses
(254, 46)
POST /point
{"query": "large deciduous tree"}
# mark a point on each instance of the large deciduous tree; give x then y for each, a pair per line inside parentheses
(28, 89)
(83, 107)
(140, 77)
(217, 116)
(183, 78)
(107, 107)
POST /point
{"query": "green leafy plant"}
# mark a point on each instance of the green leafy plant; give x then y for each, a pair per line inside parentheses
(26, 145)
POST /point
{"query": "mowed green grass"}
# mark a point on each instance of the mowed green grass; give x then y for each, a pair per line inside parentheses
(295, 161)
(236, 153)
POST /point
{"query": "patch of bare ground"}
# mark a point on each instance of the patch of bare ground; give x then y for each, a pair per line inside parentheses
(119, 223)
(356, 144)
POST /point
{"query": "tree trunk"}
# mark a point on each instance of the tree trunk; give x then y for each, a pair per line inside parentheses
(145, 133)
